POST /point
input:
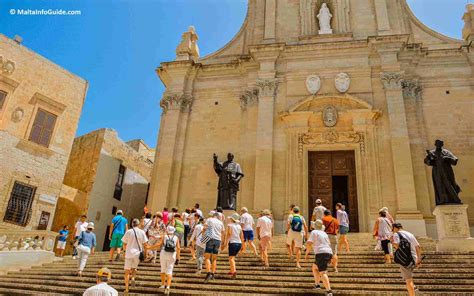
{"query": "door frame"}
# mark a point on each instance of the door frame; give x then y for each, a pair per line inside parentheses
(362, 203)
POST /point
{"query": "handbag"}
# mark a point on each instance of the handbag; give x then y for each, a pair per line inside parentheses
(142, 254)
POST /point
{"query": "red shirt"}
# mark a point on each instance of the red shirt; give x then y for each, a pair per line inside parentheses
(331, 224)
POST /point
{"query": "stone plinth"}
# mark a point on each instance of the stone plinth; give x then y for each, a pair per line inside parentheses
(453, 228)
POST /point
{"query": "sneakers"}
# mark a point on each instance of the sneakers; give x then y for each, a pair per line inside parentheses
(133, 282)
(317, 287)
(167, 290)
(329, 293)
(209, 276)
(162, 287)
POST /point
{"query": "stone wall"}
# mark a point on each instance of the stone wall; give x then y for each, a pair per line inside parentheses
(33, 82)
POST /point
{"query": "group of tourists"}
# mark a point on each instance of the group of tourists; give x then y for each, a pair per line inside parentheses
(166, 233)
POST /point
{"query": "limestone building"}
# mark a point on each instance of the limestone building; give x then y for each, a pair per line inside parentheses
(338, 104)
(104, 174)
(40, 106)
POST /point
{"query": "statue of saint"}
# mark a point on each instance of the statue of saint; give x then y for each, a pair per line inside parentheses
(229, 174)
(324, 18)
(442, 160)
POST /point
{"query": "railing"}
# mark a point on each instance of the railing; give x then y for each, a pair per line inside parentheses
(19, 240)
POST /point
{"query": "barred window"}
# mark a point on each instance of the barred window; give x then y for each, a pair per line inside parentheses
(42, 129)
(19, 205)
(118, 185)
(3, 96)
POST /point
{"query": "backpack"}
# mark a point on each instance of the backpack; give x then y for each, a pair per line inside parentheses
(296, 223)
(170, 245)
(403, 254)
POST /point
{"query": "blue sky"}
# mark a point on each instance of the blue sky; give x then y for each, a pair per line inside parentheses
(117, 44)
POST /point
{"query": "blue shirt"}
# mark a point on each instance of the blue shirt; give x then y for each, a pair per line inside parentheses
(119, 224)
(87, 239)
(63, 235)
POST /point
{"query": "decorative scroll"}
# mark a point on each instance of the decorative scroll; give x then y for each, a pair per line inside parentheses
(249, 98)
(331, 136)
(392, 80)
(176, 102)
(412, 89)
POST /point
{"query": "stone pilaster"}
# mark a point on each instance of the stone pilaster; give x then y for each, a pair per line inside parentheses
(264, 145)
(402, 162)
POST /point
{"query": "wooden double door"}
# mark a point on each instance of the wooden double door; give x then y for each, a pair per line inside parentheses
(332, 178)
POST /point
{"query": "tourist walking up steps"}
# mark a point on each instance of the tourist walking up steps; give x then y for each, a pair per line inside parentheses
(319, 240)
(197, 241)
(85, 247)
(80, 226)
(407, 255)
(343, 220)
(234, 238)
(215, 231)
(297, 229)
(187, 217)
(383, 233)
(318, 212)
(292, 247)
(331, 227)
(103, 277)
(155, 233)
(247, 222)
(170, 249)
(264, 234)
(116, 231)
(135, 242)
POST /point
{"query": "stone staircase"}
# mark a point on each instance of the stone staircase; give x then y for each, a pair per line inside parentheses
(361, 272)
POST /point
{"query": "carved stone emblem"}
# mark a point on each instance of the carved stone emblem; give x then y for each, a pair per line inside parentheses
(17, 114)
(6, 66)
(313, 84)
(330, 116)
(330, 137)
(342, 82)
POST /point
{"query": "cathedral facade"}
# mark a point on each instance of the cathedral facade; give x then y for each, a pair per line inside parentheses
(319, 99)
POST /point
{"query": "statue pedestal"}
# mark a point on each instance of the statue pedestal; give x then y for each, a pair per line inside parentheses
(453, 229)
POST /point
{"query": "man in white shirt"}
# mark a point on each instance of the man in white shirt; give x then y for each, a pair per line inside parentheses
(134, 242)
(196, 207)
(80, 226)
(102, 288)
(407, 271)
(297, 229)
(318, 212)
(264, 234)
(319, 240)
(214, 229)
(246, 221)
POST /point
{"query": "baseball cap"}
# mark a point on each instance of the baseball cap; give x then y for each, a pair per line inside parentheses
(318, 201)
(90, 225)
(104, 272)
(119, 212)
(170, 229)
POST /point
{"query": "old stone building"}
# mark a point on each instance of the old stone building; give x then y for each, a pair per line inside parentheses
(104, 174)
(338, 104)
(40, 106)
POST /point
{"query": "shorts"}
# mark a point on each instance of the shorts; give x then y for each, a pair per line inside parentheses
(322, 261)
(131, 263)
(297, 237)
(234, 249)
(61, 245)
(265, 242)
(407, 272)
(212, 246)
(248, 235)
(385, 247)
(334, 242)
(167, 261)
(343, 229)
(116, 241)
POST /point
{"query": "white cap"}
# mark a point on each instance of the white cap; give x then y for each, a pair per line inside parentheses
(90, 225)
(318, 201)
(170, 229)
(119, 212)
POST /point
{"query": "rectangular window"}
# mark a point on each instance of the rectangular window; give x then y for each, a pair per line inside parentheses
(42, 129)
(3, 97)
(118, 185)
(19, 206)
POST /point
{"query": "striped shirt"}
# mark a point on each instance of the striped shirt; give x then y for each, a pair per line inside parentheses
(214, 228)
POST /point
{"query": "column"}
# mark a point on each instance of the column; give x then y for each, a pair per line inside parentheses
(408, 212)
(264, 143)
